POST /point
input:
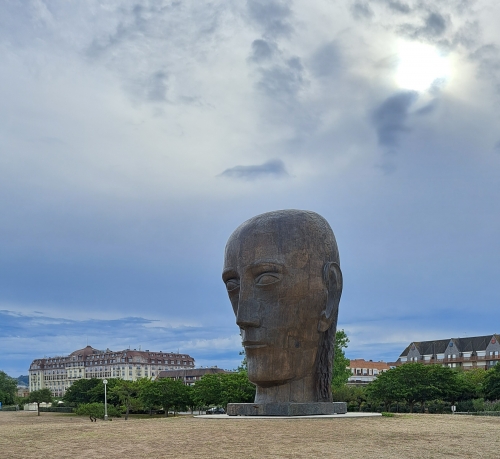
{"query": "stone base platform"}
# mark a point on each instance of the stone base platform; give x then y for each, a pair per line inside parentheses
(286, 409)
(354, 414)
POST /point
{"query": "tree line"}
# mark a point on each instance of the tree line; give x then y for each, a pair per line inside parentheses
(431, 388)
(161, 395)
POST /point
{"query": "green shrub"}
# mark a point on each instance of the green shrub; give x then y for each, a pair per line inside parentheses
(465, 405)
(438, 406)
(491, 405)
(96, 410)
(388, 415)
(478, 404)
(9, 408)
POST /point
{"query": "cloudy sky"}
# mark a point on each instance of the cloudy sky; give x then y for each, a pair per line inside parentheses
(135, 136)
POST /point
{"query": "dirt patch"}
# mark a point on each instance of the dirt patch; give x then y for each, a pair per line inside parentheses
(24, 435)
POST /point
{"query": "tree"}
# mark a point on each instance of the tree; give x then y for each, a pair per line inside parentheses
(236, 388)
(40, 396)
(491, 386)
(353, 395)
(357, 395)
(223, 388)
(385, 389)
(172, 394)
(415, 382)
(188, 397)
(127, 392)
(471, 383)
(149, 394)
(243, 366)
(208, 391)
(80, 391)
(166, 393)
(444, 384)
(8, 389)
(96, 393)
(340, 363)
(91, 391)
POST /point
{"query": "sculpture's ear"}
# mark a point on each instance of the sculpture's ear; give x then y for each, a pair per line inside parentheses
(332, 275)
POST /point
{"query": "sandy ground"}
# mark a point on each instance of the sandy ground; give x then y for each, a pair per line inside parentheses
(24, 435)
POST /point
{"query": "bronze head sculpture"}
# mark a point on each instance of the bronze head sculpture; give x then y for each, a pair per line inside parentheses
(283, 278)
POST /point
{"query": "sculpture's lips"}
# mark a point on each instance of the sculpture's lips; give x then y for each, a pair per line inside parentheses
(253, 344)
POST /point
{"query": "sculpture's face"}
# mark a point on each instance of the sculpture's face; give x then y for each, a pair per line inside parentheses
(275, 283)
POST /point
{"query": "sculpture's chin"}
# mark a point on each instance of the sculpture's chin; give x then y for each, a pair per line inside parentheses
(266, 374)
(269, 366)
(266, 378)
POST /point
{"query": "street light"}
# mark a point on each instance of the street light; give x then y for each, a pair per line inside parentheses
(105, 381)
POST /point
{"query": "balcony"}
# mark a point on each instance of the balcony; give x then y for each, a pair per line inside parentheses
(473, 359)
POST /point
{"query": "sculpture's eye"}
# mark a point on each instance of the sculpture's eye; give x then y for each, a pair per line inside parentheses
(232, 284)
(267, 279)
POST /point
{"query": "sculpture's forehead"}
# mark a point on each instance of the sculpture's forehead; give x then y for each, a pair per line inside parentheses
(270, 242)
(246, 245)
(268, 231)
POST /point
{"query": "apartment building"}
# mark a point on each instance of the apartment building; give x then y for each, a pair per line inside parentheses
(190, 375)
(58, 373)
(467, 353)
(364, 372)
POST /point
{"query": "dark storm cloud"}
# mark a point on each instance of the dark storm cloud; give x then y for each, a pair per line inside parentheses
(434, 27)
(156, 88)
(262, 50)
(272, 16)
(281, 78)
(488, 60)
(275, 168)
(283, 81)
(361, 10)
(398, 6)
(467, 35)
(390, 117)
(326, 60)
(101, 45)
(145, 43)
(137, 22)
(428, 108)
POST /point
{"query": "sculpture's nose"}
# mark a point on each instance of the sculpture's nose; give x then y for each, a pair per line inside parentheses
(248, 314)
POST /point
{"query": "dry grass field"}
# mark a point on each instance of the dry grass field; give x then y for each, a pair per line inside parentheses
(24, 435)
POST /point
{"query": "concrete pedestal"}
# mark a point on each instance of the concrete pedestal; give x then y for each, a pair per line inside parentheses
(286, 409)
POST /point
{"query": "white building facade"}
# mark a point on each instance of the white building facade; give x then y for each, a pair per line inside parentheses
(58, 373)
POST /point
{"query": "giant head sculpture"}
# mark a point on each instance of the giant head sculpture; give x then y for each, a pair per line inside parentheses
(283, 278)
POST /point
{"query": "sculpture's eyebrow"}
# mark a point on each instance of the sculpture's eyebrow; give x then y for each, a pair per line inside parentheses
(266, 263)
(229, 273)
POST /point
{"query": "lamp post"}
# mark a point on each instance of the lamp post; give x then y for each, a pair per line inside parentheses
(105, 382)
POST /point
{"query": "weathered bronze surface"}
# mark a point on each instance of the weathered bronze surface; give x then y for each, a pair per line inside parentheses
(283, 277)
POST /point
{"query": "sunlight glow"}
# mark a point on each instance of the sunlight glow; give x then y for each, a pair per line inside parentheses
(420, 65)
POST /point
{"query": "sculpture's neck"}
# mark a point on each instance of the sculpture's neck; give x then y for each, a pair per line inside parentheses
(300, 391)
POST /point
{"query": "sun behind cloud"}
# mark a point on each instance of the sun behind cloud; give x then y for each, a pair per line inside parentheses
(420, 65)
